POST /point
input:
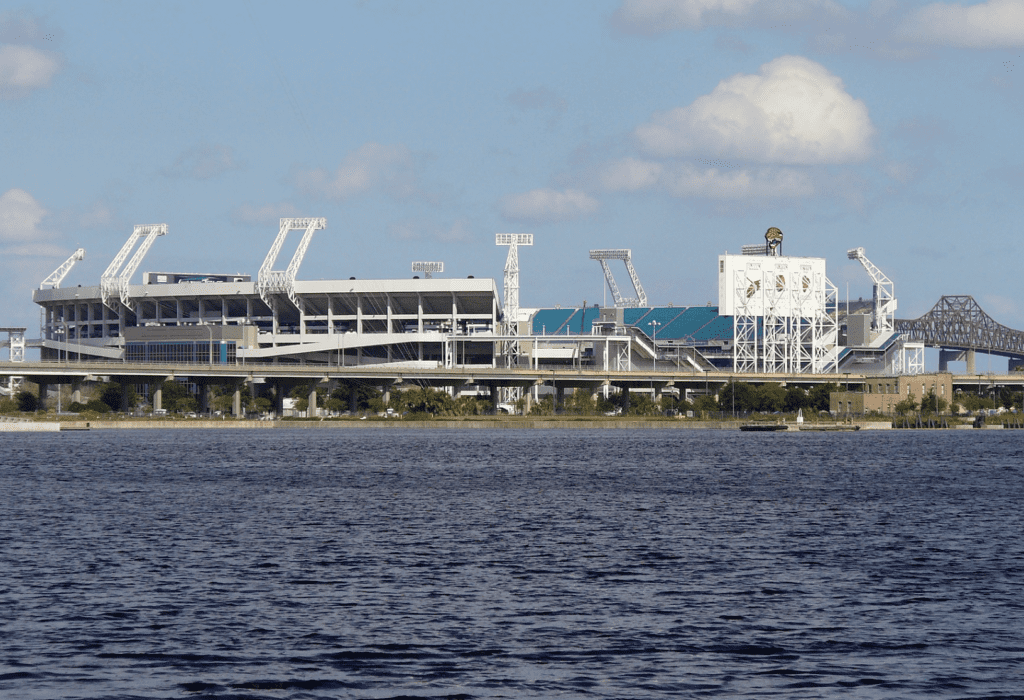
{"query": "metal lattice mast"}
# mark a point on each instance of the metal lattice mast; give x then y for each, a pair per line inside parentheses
(883, 293)
(510, 347)
(427, 268)
(58, 275)
(114, 280)
(744, 322)
(625, 255)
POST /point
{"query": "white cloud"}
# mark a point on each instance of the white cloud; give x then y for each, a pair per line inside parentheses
(25, 68)
(630, 175)
(371, 167)
(686, 181)
(203, 162)
(20, 231)
(547, 205)
(992, 24)
(794, 111)
(265, 214)
(658, 16)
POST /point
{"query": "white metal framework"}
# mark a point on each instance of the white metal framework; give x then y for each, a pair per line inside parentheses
(114, 281)
(270, 281)
(16, 340)
(912, 359)
(427, 268)
(883, 294)
(780, 309)
(510, 348)
(58, 275)
(625, 255)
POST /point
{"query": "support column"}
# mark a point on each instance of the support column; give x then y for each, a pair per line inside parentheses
(311, 409)
(353, 399)
(386, 390)
(970, 361)
(236, 402)
(625, 400)
(279, 392)
(157, 392)
(43, 389)
(125, 407)
(559, 398)
(76, 392)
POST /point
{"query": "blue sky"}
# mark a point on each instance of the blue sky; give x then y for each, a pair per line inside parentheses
(678, 128)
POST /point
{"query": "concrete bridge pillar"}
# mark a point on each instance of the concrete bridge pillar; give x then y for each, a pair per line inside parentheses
(625, 400)
(947, 356)
(311, 400)
(157, 392)
(386, 391)
(76, 392)
(353, 399)
(559, 398)
(43, 390)
(970, 362)
(236, 402)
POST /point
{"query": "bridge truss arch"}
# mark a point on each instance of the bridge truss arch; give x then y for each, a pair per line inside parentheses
(959, 323)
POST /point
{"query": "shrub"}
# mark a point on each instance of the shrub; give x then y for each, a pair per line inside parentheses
(27, 401)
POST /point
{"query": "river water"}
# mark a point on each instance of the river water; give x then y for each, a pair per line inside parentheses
(478, 564)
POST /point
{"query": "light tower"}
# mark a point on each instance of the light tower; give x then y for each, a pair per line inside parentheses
(883, 293)
(58, 275)
(427, 268)
(625, 255)
(510, 347)
(114, 281)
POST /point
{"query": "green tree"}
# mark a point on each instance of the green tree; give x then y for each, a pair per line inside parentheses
(907, 405)
(819, 396)
(770, 398)
(8, 405)
(97, 406)
(111, 394)
(796, 398)
(580, 403)
(177, 398)
(932, 403)
(425, 400)
(738, 395)
(365, 394)
(702, 405)
(27, 401)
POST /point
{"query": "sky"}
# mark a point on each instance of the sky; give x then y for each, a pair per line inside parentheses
(681, 129)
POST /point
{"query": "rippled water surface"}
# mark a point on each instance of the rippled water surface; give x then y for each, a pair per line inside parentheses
(365, 563)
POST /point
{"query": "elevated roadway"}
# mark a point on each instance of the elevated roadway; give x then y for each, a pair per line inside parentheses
(142, 373)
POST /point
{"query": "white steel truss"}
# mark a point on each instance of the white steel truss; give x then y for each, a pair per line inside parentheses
(58, 275)
(625, 255)
(510, 348)
(16, 340)
(745, 322)
(271, 282)
(883, 294)
(114, 281)
(781, 318)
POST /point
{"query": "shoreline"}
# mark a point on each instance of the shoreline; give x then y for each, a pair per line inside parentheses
(546, 423)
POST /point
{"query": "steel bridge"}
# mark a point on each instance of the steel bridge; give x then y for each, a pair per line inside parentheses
(960, 328)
